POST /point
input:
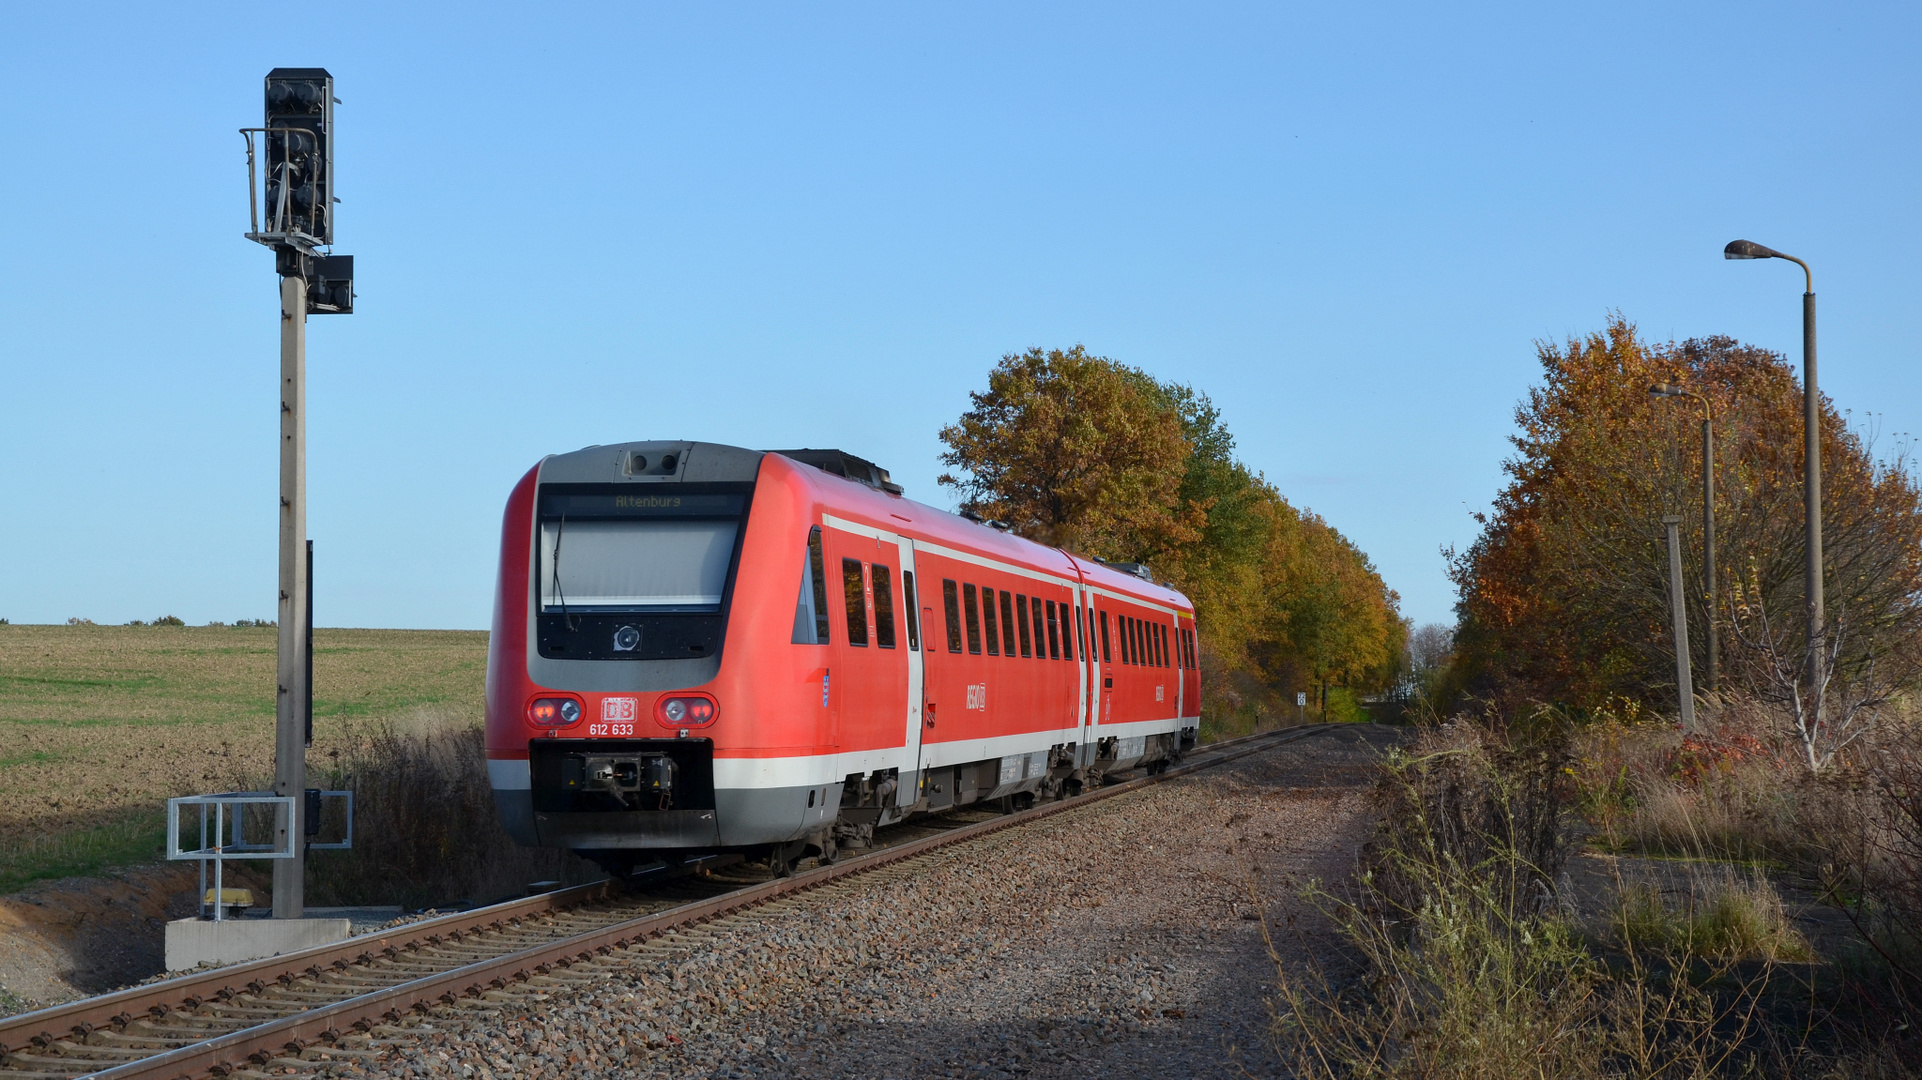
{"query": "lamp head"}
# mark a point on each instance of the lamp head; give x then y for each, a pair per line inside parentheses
(1748, 249)
(1662, 389)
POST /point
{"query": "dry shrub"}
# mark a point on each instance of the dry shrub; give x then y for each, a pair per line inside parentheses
(1477, 803)
(425, 830)
(1869, 833)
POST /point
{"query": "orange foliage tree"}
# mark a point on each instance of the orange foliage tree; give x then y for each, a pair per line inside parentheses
(1564, 595)
(1081, 452)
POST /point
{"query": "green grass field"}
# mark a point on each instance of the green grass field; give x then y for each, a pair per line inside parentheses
(100, 724)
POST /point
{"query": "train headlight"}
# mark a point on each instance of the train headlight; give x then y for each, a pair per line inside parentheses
(686, 710)
(554, 711)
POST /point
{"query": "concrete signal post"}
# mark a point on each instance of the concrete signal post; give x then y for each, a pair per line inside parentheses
(1678, 608)
(290, 193)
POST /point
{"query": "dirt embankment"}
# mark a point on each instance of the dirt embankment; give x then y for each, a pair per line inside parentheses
(61, 940)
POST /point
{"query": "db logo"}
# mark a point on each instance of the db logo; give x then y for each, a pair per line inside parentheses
(977, 695)
(619, 708)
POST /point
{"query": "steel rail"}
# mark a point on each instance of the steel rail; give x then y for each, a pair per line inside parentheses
(294, 1032)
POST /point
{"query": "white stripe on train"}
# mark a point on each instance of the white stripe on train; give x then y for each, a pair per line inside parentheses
(805, 770)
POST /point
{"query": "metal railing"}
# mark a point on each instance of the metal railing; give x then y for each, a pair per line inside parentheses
(225, 827)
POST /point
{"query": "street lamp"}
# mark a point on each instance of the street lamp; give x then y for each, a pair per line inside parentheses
(1811, 459)
(1708, 520)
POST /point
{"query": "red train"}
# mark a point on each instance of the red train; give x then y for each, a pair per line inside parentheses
(701, 649)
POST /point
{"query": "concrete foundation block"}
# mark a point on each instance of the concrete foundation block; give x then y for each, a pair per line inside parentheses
(191, 942)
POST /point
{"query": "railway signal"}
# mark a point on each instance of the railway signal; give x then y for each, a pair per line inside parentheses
(291, 201)
(300, 154)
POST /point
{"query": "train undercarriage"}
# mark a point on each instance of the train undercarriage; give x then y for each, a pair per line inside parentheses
(649, 806)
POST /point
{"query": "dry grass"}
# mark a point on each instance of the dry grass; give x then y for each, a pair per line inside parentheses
(1466, 965)
(425, 829)
(1723, 916)
(1744, 793)
(1738, 793)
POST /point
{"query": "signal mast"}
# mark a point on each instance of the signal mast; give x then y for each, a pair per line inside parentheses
(296, 190)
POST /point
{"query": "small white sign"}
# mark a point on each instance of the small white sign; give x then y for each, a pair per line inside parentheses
(977, 695)
(1301, 699)
(619, 708)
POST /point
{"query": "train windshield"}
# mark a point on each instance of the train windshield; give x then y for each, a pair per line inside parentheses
(635, 565)
(622, 552)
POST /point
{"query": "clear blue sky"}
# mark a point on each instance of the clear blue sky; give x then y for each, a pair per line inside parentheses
(821, 225)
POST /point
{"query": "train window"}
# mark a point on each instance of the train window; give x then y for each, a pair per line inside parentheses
(1107, 654)
(973, 604)
(1121, 633)
(1094, 654)
(811, 607)
(951, 600)
(1082, 644)
(1021, 620)
(1140, 645)
(1194, 654)
(1154, 645)
(1007, 621)
(1161, 643)
(910, 610)
(852, 588)
(1040, 634)
(988, 621)
(1133, 640)
(1054, 635)
(883, 605)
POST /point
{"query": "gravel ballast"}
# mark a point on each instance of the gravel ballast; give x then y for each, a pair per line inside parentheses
(1124, 939)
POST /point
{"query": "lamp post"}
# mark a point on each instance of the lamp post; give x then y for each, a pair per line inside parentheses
(1811, 461)
(1708, 522)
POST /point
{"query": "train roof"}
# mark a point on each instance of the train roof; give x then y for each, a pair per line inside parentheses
(887, 509)
(857, 489)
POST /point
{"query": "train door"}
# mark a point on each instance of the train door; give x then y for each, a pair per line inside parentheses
(871, 679)
(1090, 664)
(915, 602)
(1178, 659)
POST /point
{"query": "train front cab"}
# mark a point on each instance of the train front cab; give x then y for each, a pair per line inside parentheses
(634, 702)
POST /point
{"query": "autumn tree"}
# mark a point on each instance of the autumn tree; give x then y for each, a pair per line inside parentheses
(1073, 450)
(1565, 590)
(1080, 452)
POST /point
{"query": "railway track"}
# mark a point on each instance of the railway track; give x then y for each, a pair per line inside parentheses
(356, 998)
